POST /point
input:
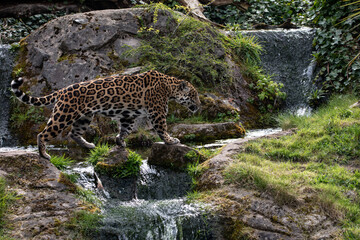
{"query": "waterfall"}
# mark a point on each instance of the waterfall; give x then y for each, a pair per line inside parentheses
(6, 66)
(287, 57)
(151, 206)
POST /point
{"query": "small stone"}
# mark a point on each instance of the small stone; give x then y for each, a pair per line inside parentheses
(80, 21)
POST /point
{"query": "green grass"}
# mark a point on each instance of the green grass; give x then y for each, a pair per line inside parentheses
(98, 154)
(318, 157)
(84, 224)
(6, 198)
(131, 166)
(61, 162)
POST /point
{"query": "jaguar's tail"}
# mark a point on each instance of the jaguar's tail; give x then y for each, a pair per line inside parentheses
(36, 101)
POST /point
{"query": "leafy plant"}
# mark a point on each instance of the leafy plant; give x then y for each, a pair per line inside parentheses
(335, 45)
(269, 93)
(14, 29)
(22, 114)
(131, 166)
(61, 162)
(260, 11)
(98, 154)
(317, 97)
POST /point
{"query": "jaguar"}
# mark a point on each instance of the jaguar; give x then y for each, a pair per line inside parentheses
(123, 98)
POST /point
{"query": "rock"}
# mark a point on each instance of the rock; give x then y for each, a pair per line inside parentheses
(83, 46)
(173, 156)
(116, 156)
(113, 163)
(44, 205)
(206, 132)
(259, 216)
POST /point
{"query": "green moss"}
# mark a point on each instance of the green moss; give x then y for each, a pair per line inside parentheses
(67, 57)
(142, 138)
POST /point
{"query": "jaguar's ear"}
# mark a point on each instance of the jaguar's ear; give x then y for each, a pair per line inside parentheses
(184, 87)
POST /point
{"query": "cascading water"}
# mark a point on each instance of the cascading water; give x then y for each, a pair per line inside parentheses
(149, 207)
(287, 57)
(6, 66)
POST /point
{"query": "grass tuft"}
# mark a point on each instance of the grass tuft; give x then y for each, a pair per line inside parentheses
(61, 162)
(84, 223)
(98, 154)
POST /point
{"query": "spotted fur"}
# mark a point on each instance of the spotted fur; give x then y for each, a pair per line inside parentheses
(123, 98)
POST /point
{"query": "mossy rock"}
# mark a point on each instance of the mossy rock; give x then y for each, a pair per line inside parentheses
(176, 156)
(119, 163)
(142, 139)
(207, 132)
(113, 163)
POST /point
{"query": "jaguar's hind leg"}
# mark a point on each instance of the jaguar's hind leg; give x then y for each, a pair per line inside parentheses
(54, 127)
(78, 129)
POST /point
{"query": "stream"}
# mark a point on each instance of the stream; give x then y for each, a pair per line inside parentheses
(154, 205)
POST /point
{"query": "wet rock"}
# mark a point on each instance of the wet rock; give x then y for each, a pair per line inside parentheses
(206, 132)
(44, 204)
(173, 156)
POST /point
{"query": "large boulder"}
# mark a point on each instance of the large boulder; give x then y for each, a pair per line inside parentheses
(45, 203)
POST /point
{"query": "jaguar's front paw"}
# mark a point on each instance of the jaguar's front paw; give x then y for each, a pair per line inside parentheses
(172, 141)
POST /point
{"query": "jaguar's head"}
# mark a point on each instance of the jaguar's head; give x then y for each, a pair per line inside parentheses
(187, 96)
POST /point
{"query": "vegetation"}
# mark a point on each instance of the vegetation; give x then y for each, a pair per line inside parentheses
(6, 197)
(196, 168)
(336, 43)
(195, 51)
(317, 158)
(22, 114)
(12, 29)
(98, 154)
(260, 11)
(61, 162)
(84, 224)
(131, 167)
